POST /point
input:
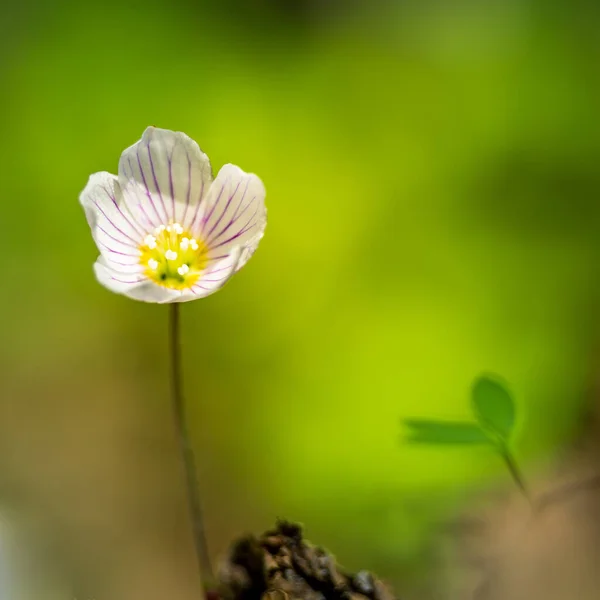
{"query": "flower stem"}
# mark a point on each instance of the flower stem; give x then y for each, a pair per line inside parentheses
(185, 448)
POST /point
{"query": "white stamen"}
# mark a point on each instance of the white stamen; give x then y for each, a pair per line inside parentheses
(194, 244)
(171, 255)
(153, 264)
(168, 228)
(183, 269)
(177, 228)
(150, 241)
(185, 242)
(159, 229)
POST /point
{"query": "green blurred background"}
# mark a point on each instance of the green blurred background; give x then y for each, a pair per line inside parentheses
(432, 175)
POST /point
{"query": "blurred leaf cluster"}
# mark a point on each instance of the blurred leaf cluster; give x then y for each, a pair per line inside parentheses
(494, 409)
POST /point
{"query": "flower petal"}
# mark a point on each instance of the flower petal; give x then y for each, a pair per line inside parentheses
(235, 213)
(114, 229)
(164, 177)
(115, 280)
(137, 287)
(103, 205)
(216, 275)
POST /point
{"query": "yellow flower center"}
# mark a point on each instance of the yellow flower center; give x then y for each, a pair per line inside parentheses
(172, 257)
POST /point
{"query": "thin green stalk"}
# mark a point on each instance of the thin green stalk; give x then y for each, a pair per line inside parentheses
(185, 447)
(514, 470)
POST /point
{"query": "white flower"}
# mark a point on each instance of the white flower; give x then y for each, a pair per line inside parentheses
(165, 230)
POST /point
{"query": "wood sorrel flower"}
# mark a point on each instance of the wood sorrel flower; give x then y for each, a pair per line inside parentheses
(165, 230)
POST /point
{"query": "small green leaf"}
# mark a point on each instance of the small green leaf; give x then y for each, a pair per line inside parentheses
(423, 431)
(493, 405)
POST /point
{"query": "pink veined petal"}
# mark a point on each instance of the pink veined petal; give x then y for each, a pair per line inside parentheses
(164, 177)
(116, 281)
(103, 204)
(215, 276)
(115, 231)
(234, 214)
(137, 287)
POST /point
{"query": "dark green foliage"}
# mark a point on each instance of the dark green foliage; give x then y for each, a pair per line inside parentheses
(422, 431)
(494, 406)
